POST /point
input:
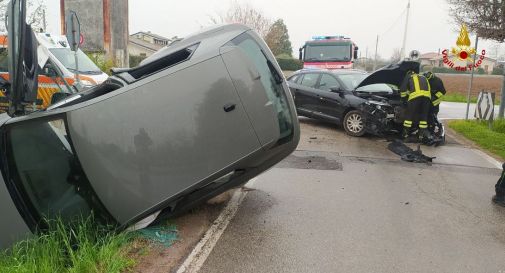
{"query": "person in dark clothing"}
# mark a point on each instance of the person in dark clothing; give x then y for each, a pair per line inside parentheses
(416, 93)
(437, 94)
(499, 198)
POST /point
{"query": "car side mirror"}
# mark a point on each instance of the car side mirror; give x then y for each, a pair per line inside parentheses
(336, 89)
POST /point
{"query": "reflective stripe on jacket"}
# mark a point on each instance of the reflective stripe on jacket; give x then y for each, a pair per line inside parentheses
(420, 86)
(437, 99)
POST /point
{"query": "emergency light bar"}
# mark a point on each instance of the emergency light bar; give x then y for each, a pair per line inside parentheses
(319, 38)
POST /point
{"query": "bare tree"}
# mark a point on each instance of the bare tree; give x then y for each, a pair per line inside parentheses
(247, 15)
(485, 17)
(35, 15)
(396, 56)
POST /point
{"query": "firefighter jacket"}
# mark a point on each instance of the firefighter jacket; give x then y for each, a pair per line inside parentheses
(437, 89)
(415, 86)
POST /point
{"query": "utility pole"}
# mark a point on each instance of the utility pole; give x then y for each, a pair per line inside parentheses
(376, 48)
(471, 78)
(44, 22)
(404, 45)
(366, 59)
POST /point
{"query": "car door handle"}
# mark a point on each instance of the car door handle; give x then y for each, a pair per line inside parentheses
(229, 107)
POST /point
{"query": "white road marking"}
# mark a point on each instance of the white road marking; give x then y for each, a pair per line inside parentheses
(202, 250)
(491, 160)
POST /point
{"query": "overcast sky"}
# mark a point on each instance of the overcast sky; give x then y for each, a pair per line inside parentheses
(430, 26)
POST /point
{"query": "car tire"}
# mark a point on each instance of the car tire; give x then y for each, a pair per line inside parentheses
(354, 123)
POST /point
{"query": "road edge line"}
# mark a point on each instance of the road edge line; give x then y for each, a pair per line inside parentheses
(489, 158)
(202, 250)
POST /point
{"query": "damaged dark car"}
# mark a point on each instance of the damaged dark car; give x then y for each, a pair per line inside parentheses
(195, 119)
(360, 102)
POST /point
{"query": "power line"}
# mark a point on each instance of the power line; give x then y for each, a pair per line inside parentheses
(396, 22)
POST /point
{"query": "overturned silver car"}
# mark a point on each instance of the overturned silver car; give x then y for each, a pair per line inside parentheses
(197, 118)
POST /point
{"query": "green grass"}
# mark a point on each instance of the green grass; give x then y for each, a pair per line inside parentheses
(84, 247)
(457, 97)
(491, 140)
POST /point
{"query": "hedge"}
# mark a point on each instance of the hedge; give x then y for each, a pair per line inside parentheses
(289, 64)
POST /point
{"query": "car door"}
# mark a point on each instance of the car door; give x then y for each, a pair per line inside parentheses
(305, 93)
(331, 103)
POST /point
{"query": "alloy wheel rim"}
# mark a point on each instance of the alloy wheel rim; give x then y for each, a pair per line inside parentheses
(355, 123)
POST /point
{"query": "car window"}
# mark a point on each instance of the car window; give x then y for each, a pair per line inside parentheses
(46, 171)
(309, 80)
(273, 86)
(328, 82)
(352, 80)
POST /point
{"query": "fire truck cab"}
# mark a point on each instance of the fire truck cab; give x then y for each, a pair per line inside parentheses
(329, 52)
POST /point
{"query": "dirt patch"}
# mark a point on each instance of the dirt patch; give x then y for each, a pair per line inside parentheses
(191, 228)
(455, 83)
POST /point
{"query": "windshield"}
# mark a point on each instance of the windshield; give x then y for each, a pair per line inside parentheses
(46, 171)
(328, 53)
(67, 58)
(354, 79)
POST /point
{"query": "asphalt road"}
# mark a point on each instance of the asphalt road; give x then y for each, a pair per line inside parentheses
(456, 110)
(342, 204)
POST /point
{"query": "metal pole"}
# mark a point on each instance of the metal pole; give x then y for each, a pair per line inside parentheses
(376, 48)
(471, 78)
(78, 80)
(502, 103)
(404, 45)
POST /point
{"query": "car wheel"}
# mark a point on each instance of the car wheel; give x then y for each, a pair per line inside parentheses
(354, 123)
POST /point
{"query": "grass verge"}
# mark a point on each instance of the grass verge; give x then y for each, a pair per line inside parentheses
(84, 247)
(492, 140)
(457, 97)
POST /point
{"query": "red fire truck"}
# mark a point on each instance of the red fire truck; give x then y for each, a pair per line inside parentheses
(329, 52)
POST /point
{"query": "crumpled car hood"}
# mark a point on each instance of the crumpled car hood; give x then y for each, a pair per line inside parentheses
(391, 74)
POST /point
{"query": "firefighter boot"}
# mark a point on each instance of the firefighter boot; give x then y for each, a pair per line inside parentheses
(499, 198)
(426, 137)
(408, 136)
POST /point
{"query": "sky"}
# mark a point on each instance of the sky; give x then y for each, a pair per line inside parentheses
(430, 26)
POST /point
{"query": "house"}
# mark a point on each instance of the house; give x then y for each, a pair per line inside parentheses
(431, 59)
(434, 59)
(145, 44)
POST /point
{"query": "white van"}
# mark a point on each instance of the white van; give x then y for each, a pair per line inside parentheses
(57, 49)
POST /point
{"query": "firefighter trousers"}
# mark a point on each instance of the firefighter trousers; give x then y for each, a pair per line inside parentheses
(417, 113)
(500, 185)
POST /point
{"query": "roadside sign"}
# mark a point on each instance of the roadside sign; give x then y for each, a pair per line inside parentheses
(485, 106)
(73, 30)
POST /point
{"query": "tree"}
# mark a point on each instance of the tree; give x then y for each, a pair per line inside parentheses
(247, 15)
(397, 55)
(36, 10)
(277, 39)
(485, 17)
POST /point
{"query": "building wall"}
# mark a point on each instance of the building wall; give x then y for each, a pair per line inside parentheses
(136, 50)
(104, 24)
(91, 22)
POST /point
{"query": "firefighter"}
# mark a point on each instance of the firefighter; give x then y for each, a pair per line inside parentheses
(437, 93)
(416, 93)
(499, 198)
